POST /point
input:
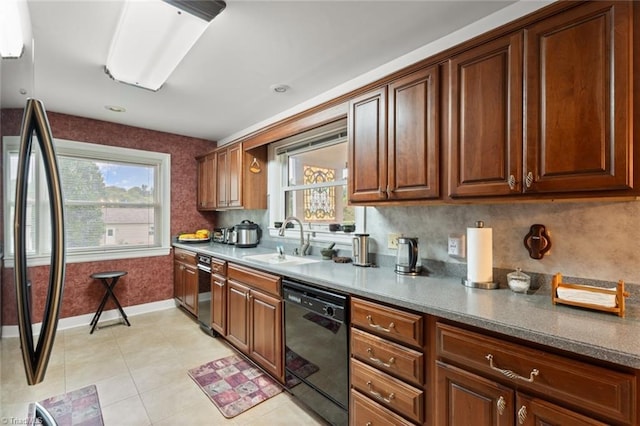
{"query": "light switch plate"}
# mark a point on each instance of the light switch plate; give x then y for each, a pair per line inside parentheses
(456, 246)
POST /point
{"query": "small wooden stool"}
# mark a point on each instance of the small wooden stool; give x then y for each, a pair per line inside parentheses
(104, 278)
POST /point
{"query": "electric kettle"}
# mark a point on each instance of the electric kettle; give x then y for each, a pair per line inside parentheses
(361, 250)
(408, 259)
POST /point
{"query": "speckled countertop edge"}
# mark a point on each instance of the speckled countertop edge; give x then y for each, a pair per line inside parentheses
(530, 317)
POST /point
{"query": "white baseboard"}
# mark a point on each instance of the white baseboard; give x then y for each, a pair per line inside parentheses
(84, 320)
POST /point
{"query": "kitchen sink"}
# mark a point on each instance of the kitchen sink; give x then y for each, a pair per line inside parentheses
(274, 259)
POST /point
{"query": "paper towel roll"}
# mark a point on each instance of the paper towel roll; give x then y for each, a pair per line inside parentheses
(480, 255)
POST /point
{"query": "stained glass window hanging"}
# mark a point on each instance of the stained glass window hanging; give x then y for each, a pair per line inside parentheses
(319, 203)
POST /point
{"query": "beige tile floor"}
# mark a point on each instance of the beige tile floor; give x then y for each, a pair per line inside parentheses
(141, 375)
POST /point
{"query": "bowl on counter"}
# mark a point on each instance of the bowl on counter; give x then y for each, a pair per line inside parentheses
(518, 282)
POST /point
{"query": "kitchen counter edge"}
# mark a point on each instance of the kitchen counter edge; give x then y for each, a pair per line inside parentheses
(530, 317)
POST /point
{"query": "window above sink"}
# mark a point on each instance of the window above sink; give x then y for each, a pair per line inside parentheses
(308, 180)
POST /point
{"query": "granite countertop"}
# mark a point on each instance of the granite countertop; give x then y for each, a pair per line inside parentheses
(529, 317)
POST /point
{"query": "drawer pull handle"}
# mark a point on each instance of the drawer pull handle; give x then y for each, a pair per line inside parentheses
(510, 374)
(379, 327)
(378, 361)
(501, 405)
(529, 180)
(522, 415)
(378, 395)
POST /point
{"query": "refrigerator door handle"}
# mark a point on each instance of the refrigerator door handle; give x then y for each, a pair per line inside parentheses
(36, 358)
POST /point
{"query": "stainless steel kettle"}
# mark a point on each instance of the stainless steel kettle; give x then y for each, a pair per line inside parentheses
(408, 258)
(361, 250)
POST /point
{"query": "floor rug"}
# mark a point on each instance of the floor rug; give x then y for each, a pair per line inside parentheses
(234, 384)
(325, 322)
(300, 366)
(76, 408)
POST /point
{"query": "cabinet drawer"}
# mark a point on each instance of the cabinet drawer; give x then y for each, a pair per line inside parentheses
(364, 411)
(185, 256)
(584, 387)
(260, 280)
(393, 358)
(389, 322)
(218, 267)
(388, 391)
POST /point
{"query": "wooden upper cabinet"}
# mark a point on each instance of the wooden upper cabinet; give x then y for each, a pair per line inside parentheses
(413, 137)
(393, 140)
(240, 178)
(229, 176)
(485, 126)
(578, 99)
(367, 129)
(207, 182)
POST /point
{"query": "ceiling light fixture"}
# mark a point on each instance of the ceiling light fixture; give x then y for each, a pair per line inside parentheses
(152, 38)
(280, 88)
(11, 41)
(115, 108)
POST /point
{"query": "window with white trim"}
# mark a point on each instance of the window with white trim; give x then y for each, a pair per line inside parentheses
(116, 202)
(308, 180)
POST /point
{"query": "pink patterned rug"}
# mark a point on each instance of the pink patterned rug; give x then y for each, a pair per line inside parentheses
(234, 384)
(80, 407)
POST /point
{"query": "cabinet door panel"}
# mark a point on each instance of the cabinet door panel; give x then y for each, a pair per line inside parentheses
(222, 176)
(413, 136)
(464, 399)
(191, 289)
(238, 315)
(578, 99)
(234, 161)
(266, 338)
(219, 304)
(178, 281)
(367, 130)
(485, 145)
(207, 182)
(537, 412)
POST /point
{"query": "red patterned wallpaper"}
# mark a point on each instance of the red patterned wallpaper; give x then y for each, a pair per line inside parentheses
(149, 279)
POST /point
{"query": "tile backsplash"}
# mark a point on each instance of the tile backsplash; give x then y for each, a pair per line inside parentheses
(595, 239)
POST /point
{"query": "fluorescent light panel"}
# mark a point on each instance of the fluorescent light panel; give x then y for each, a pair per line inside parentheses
(11, 42)
(152, 38)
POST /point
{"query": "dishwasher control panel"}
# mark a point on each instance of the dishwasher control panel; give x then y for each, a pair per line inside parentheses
(314, 301)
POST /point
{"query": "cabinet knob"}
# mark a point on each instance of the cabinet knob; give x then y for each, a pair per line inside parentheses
(501, 405)
(522, 415)
(529, 180)
(512, 182)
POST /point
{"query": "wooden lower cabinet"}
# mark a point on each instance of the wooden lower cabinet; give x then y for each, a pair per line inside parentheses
(265, 345)
(238, 315)
(255, 318)
(185, 280)
(492, 381)
(219, 304)
(464, 398)
(387, 362)
(365, 412)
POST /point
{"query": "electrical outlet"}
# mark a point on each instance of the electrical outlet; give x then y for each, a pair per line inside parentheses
(392, 240)
(456, 246)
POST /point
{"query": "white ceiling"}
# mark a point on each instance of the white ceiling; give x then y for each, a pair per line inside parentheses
(222, 87)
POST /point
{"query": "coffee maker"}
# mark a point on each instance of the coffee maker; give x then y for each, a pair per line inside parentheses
(361, 250)
(408, 258)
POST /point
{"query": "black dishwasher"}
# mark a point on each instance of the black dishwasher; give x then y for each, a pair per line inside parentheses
(317, 349)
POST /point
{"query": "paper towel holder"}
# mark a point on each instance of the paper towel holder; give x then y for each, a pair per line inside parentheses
(490, 285)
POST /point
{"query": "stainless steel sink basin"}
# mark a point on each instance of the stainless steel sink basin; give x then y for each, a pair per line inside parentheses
(273, 259)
